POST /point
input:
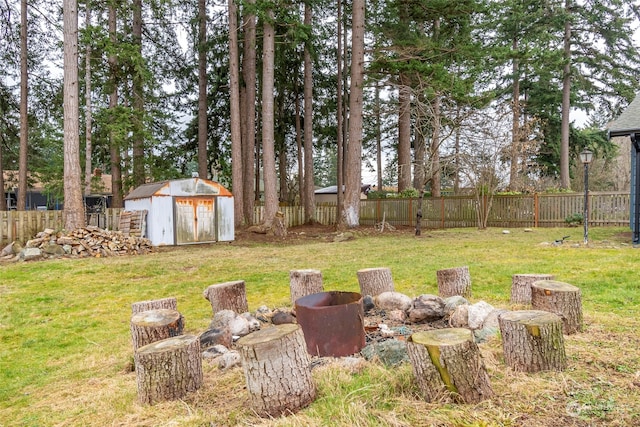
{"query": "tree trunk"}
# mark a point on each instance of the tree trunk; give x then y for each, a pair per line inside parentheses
(448, 366)
(404, 133)
(309, 188)
(374, 281)
(203, 167)
(74, 216)
(227, 296)
(155, 325)
(532, 341)
(3, 199)
(304, 282)
(515, 125)
(114, 143)
(139, 175)
(454, 281)
(168, 369)
(353, 167)
(88, 107)
(276, 368)
(249, 114)
(170, 303)
(340, 137)
(560, 298)
(236, 131)
(435, 167)
(268, 143)
(521, 286)
(565, 181)
(21, 203)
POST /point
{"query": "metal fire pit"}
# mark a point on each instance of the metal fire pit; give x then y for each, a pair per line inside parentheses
(332, 322)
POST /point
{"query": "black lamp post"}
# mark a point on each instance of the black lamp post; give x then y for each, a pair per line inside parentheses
(586, 156)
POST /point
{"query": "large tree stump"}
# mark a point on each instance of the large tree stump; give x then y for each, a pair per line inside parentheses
(304, 282)
(448, 366)
(521, 286)
(374, 281)
(454, 281)
(560, 298)
(155, 325)
(277, 371)
(170, 303)
(168, 369)
(532, 341)
(228, 296)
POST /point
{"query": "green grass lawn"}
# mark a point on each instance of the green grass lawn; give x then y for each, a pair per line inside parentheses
(65, 350)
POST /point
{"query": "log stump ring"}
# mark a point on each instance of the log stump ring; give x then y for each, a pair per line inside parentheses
(532, 341)
(155, 325)
(448, 366)
(170, 303)
(560, 298)
(521, 286)
(228, 296)
(304, 282)
(454, 281)
(374, 281)
(277, 370)
(168, 369)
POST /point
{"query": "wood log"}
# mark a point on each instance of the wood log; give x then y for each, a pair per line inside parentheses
(227, 296)
(521, 286)
(277, 370)
(532, 341)
(374, 281)
(168, 369)
(170, 303)
(155, 325)
(448, 366)
(304, 282)
(560, 298)
(454, 281)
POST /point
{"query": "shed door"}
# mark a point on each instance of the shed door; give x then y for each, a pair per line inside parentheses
(195, 220)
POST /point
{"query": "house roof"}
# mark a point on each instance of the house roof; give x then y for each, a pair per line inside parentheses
(629, 120)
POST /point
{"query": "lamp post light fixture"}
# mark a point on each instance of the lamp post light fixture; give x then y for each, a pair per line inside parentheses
(586, 156)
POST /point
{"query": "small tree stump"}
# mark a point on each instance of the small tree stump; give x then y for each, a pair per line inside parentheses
(560, 298)
(155, 325)
(277, 371)
(532, 341)
(304, 282)
(374, 281)
(168, 369)
(454, 281)
(521, 286)
(448, 366)
(170, 303)
(228, 296)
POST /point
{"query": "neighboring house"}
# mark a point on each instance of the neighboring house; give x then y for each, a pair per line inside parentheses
(330, 194)
(39, 199)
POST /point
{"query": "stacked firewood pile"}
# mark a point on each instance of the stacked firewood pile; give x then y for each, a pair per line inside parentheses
(82, 242)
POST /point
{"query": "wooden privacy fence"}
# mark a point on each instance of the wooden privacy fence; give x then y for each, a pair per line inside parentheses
(534, 210)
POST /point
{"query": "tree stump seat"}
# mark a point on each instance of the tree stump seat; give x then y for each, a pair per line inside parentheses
(560, 298)
(521, 286)
(454, 281)
(155, 325)
(168, 369)
(532, 341)
(448, 366)
(374, 281)
(227, 296)
(277, 370)
(170, 303)
(304, 282)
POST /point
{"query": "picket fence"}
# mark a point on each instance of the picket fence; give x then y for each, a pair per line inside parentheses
(535, 210)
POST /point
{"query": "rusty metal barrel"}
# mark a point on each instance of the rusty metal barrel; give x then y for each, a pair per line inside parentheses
(332, 323)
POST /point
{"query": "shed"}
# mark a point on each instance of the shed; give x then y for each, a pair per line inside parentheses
(628, 124)
(184, 211)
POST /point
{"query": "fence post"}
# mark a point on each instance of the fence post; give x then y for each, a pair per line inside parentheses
(536, 209)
